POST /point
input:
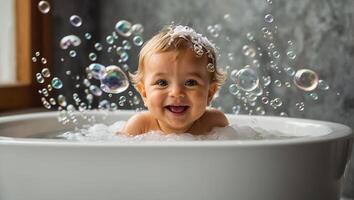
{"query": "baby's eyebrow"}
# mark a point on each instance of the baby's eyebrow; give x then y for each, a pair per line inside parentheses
(195, 74)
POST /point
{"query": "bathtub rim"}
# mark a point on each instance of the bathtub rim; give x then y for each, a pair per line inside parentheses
(342, 132)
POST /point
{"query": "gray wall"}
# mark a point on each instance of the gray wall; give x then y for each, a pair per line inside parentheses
(322, 31)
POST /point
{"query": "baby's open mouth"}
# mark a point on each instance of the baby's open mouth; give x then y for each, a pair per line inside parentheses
(177, 109)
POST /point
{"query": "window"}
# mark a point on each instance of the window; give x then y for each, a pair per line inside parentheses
(31, 32)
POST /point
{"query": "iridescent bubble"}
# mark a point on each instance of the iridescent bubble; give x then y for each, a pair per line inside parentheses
(88, 36)
(247, 79)
(37, 53)
(69, 40)
(138, 40)
(123, 55)
(39, 78)
(249, 51)
(98, 46)
(290, 71)
(34, 59)
(109, 39)
(113, 107)
(46, 104)
(314, 96)
(103, 105)
(287, 84)
(233, 89)
(46, 72)
(44, 7)
(95, 90)
(97, 70)
(277, 102)
(114, 80)
(124, 28)
(137, 29)
(52, 101)
(50, 88)
(276, 54)
(72, 53)
(92, 56)
(306, 79)
(268, 18)
(45, 92)
(75, 20)
(265, 100)
(233, 74)
(322, 85)
(56, 83)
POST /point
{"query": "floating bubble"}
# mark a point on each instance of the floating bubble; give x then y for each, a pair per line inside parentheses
(39, 78)
(72, 53)
(34, 59)
(92, 56)
(290, 71)
(283, 114)
(277, 102)
(306, 79)
(69, 40)
(98, 46)
(123, 55)
(249, 51)
(268, 18)
(50, 88)
(314, 96)
(291, 55)
(44, 61)
(126, 45)
(123, 28)
(88, 36)
(300, 106)
(44, 7)
(247, 79)
(109, 39)
(46, 72)
(260, 110)
(47, 105)
(277, 83)
(265, 100)
(266, 80)
(138, 40)
(114, 80)
(75, 20)
(95, 90)
(37, 53)
(136, 100)
(276, 54)
(137, 29)
(322, 85)
(236, 109)
(233, 89)
(97, 70)
(290, 42)
(45, 92)
(287, 84)
(103, 105)
(56, 83)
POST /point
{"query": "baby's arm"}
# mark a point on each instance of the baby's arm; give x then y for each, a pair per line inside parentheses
(136, 125)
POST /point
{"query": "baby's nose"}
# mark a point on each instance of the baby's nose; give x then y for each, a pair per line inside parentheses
(177, 91)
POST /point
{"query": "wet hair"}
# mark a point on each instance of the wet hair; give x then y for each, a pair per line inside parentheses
(179, 38)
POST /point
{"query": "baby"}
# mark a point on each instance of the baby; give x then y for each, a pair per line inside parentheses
(177, 78)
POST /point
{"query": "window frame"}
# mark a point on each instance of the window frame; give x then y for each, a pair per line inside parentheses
(33, 33)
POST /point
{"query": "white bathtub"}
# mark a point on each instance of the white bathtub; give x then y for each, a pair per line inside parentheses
(309, 168)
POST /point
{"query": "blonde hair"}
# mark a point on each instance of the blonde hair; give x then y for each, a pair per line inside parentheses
(163, 42)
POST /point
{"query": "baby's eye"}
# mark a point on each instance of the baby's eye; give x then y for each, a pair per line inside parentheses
(161, 83)
(190, 82)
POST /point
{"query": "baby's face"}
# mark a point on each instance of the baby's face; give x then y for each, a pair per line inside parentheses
(176, 89)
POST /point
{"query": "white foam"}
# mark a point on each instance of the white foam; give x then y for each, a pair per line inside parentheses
(101, 132)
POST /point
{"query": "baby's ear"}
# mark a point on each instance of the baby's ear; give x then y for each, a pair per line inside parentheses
(212, 90)
(141, 89)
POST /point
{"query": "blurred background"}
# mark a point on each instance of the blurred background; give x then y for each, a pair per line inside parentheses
(319, 33)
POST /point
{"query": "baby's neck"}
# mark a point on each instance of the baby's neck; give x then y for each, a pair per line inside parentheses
(169, 130)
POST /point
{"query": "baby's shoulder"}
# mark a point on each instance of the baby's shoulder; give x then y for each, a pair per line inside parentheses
(137, 124)
(215, 117)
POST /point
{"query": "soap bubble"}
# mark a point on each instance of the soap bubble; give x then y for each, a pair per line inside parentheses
(268, 18)
(138, 40)
(300, 106)
(249, 51)
(109, 39)
(114, 80)
(97, 70)
(46, 72)
(44, 7)
(233, 89)
(322, 85)
(44, 61)
(92, 56)
(75, 20)
(39, 78)
(126, 45)
(123, 55)
(56, 83)
(95, 90)
(69, 40)
(137, 29)
(98, 46)
(247, 79)
(306, 79)
(266, 80)
(291, 55)
(123, 27)
(72, 53)
(103, 105)
(88, 36)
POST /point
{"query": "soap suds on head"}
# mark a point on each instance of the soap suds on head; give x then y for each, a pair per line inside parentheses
(101, 133)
